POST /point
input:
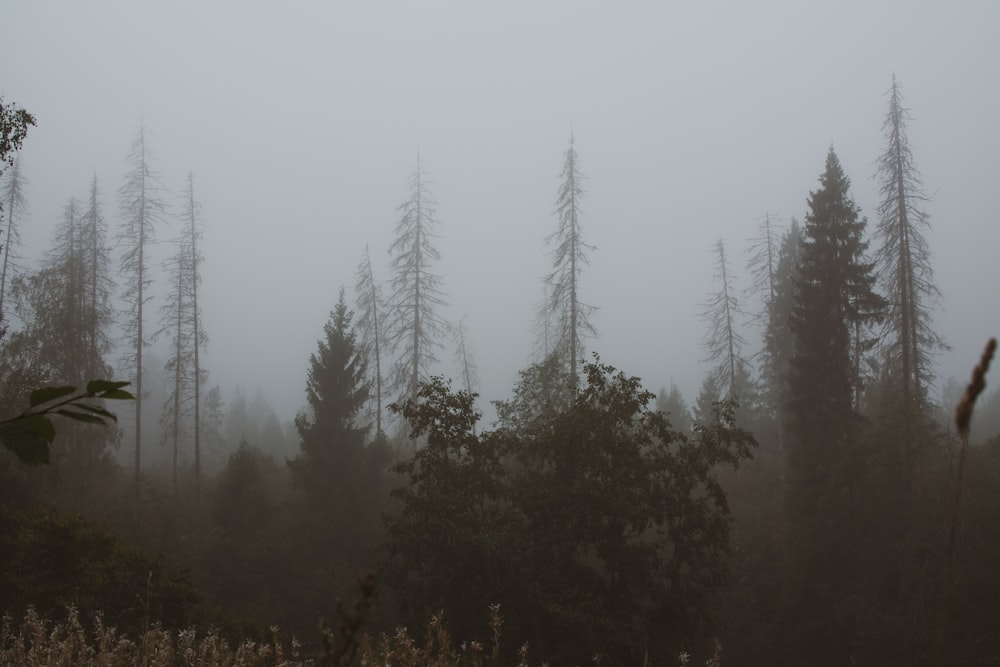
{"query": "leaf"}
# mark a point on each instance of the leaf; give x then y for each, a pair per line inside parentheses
(29, 438)
(46, 394)
(116, 394)
(81, 416)
(95, 387)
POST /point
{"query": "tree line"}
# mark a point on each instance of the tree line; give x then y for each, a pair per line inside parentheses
(798, 511)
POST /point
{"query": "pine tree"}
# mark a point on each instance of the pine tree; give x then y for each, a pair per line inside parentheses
(904, 266)
(336, 391)
(14, 206)
(675, 407)
(723, 342)
(778, 340)
(833, 297)
(340, 478)
(181, 320)
(97, 285)
(142, 211)
(762, 261)
(369, 326)
(464, 358)
(66, 315)
(569, 314)
(415, 327)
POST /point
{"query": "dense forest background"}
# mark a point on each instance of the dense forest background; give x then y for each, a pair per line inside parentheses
(814, 499)
(527, 335)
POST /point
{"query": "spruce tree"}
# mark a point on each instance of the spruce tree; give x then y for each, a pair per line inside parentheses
(834, 296)
(568, 313)
(370, 326)
(904, 266)
(142, 211)
(13, 206)
(415, 326)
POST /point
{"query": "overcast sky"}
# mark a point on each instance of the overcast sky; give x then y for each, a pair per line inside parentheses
(302, 122)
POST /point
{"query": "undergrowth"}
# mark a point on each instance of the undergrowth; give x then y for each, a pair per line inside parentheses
(38, 642)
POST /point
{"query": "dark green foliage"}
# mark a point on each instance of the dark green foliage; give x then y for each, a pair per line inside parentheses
(596, 525)
(341, 481)
(30, 433)
(834, 297)
(52, 560)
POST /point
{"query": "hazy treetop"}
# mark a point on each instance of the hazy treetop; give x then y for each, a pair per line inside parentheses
(302, 122)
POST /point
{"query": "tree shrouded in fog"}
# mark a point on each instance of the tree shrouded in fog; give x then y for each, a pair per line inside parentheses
(181, 320)
(834, 294)
(369, 327)
(65, 310)
(904, 266)
(570, 316)
(13, 206)
(723, 342)
(778, 347)
(415, 327)
(762, 261)
(142, 211)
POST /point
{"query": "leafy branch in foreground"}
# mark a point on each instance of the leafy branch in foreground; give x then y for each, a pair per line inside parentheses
(30, 433)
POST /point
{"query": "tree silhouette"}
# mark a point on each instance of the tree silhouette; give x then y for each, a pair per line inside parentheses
(415, 327)
(570, 315)
(142, 211)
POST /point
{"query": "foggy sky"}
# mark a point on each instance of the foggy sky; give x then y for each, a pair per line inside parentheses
(302, 122)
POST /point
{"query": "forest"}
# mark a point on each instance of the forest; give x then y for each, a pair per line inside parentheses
(816, 503)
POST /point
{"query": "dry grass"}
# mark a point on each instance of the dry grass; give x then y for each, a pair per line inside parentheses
(37, 642)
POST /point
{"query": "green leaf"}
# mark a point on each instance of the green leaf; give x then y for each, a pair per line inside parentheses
(29, 438)
(95, 387)
(46, 394)
(81, 416)
(116, 394)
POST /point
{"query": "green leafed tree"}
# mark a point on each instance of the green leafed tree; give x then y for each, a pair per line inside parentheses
(142, 210)
(597, 527)
(568, 317)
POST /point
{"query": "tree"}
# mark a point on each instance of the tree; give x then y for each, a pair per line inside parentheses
(336, 391)
(762, 261)
(595, 527)
(13, 206)
(675, 408)
(142, 211)
(14, 123)
(834, 296)
(904, 266)
(568, 312)
(415, 327)
(778, 346)
(369, 327)
(341, 480)
(181, 319)
(723, 343)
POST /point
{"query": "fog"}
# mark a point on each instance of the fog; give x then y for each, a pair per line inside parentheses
(303, 121)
